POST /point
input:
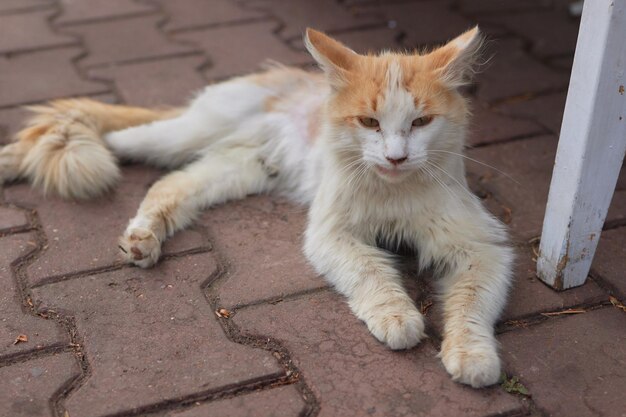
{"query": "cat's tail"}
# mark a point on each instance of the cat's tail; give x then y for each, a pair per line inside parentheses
(61, 148)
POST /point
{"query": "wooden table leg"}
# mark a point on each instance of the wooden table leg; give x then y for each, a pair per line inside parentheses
(591, 147)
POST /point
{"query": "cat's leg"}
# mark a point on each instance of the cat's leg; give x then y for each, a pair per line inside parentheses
(174, 201)
(366, 275)
(477, 276)
(217, 111)
(165, 143)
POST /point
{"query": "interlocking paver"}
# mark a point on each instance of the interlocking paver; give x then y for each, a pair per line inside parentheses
(568, 372)
(88, 11)
(512, 72)
(283, 401)
(219, 44)
(14, 320)
(84, 235)
(545, 109)
(125, 40)
(488, 126)
(530, 296)
(610, 259)
(364, 41)
(478, 7)
(540, 27)
(189, 14)
(421, 21)
(11, 217)
(261, 239)
(10, 122)
(523, 203)
(23, 5)
(30, 31)
(150, 335)
(297, 15)
(28, 78)
(26, 388)
(528, 162)
(177, 79)
(353, 374)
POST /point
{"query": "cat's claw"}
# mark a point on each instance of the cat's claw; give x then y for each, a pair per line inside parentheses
(140, 247)
(477, 365)
(398, 329)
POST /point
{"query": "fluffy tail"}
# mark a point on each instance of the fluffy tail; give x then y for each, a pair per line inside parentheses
(61, 148)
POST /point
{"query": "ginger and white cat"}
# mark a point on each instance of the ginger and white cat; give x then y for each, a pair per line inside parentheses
(374, 145)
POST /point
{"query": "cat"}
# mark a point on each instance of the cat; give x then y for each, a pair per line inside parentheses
(373, 143)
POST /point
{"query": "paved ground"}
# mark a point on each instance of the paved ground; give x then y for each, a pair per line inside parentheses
(105, 339)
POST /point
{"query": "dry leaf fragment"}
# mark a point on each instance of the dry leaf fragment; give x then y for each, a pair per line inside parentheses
(21, 339)
(617, 303)
(424, 306)
(569, 311)
(222, 313)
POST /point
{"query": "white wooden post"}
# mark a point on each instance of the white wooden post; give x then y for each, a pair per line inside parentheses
(591, 147)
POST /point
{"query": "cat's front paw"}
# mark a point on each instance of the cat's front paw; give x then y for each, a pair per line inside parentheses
(397, 328)
(471, 363)
(140, 247)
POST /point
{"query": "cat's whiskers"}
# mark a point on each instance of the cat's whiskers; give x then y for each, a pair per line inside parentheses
(462, 186)
(476, 161)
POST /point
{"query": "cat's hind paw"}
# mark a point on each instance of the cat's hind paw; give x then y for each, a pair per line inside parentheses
(140, 247)
(398, 329)
(478, 366)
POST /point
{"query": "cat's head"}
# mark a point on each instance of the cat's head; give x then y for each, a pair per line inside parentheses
(400, 113)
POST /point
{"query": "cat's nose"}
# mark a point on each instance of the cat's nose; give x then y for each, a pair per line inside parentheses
(396, 161)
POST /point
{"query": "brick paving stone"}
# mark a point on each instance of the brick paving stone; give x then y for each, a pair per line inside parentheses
(254, 43)
(261, 239)
(530, 296)
(478, 7)
(189, 14)
(10, 122)
(30, 31)
(88, 11)
(171, 81)
(422, 21)
(568, 372)
(11, 217)
(545, 109)
(353, 374)
(277, 402)
(539, 27)
(28, 78)
(23, 5)
(488, 126)
(609, 261)
(512, 72)
(371, 40)
(26, 388)
(297, 15)
(109, 43)
(14, 321)
(617, 209)
(150, 336)
(84, 235)
(530, 163)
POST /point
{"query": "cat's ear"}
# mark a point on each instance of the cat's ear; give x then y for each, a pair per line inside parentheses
(456, 61)
(336, 59)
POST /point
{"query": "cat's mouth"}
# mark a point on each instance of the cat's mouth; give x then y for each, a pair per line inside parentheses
(390, 173)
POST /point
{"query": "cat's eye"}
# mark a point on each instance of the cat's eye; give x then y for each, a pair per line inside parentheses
(422, 121)
(369, 122)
